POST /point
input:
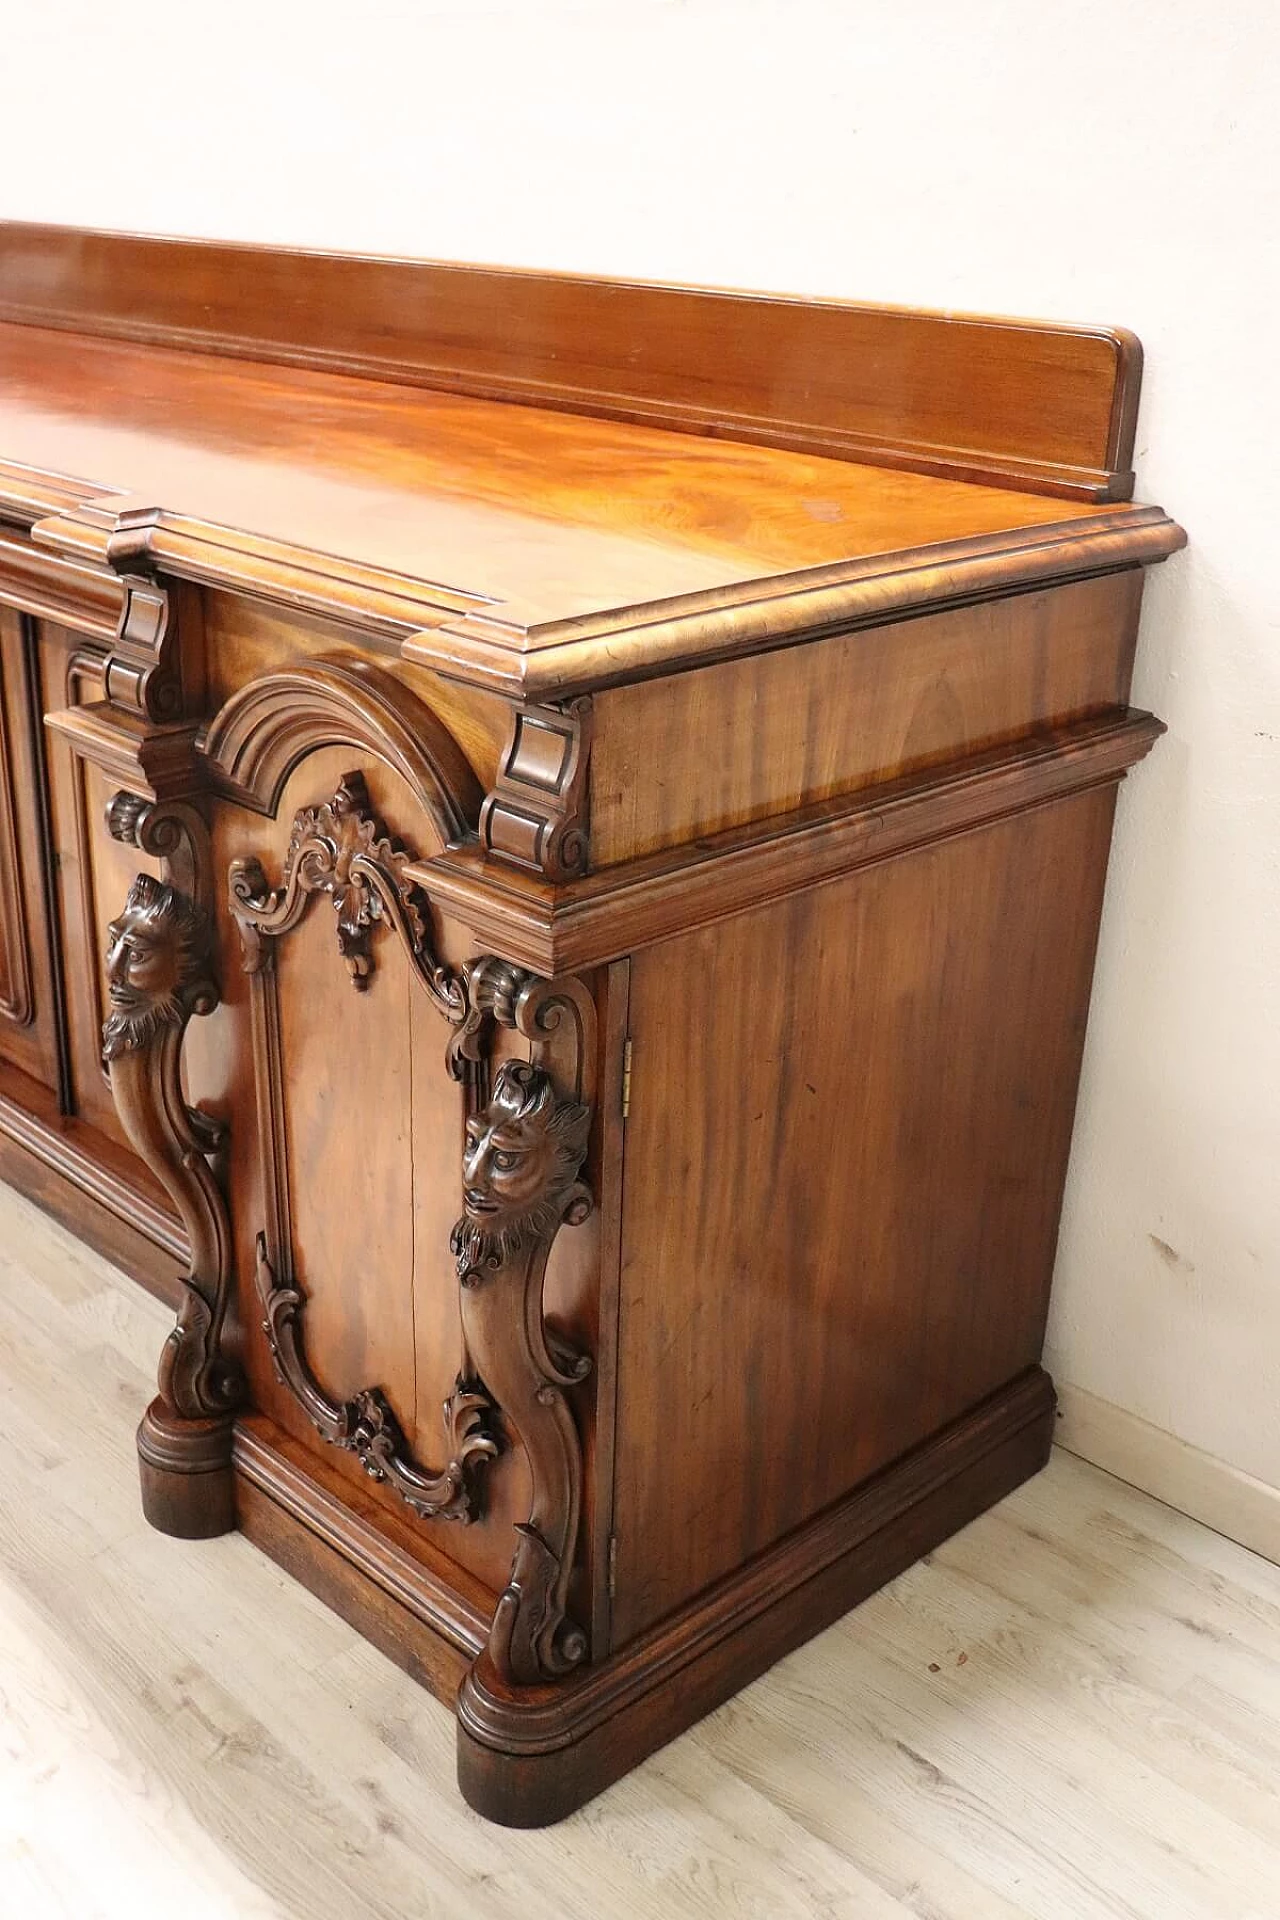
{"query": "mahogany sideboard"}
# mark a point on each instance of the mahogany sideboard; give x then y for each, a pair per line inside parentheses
(552, 835)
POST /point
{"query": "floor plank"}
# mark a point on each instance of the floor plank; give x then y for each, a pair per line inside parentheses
(1069, 1712)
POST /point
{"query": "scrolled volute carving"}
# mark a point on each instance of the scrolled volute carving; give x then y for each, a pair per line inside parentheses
(366, 1425)
(341, 849)
(160, 973)
(521, 1183)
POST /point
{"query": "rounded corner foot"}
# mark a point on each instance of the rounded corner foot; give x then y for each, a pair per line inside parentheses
(188, 1486)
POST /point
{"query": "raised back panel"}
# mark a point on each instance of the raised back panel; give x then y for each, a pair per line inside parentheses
(1040, 406)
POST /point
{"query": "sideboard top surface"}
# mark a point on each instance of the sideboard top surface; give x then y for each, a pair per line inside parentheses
(526, 546)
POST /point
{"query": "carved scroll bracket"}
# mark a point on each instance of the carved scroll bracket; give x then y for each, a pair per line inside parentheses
(143, 671)
(160, 973)
(174, 832)
(536, 815)
(526, 1143)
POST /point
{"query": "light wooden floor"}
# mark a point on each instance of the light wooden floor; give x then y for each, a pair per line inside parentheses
(1073, 1710)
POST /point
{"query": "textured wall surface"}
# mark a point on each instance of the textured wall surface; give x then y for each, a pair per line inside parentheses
(1090, 161)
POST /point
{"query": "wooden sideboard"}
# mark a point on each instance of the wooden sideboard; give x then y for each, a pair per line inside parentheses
(552, 835)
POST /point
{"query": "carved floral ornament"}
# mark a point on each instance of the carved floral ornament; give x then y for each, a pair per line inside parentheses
(525, 1146)
(341, 849)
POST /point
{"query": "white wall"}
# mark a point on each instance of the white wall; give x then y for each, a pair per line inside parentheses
(1103, 160)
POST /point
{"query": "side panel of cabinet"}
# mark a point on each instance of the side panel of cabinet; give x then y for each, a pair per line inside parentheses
(849, 1124)
(29, 1012)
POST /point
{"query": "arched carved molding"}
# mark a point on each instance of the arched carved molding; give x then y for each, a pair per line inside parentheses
(160, 972)
(366, 1425)
(341, 850)
(337, 699)
(536, 816)
(527, 1135)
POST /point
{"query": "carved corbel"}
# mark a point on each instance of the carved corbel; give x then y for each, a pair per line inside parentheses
(525, 1146)
(142, 671)
(160, 972)
(536, 815)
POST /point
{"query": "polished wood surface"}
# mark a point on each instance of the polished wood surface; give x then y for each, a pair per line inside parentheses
(1070, 1711)
(569, 940)
(967, 681)
(873, 1324)
(1051, 408)
(462, 514)
(29, 1012)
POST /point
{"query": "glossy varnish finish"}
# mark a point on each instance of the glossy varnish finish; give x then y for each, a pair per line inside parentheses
(1049, 406)
(551, 843)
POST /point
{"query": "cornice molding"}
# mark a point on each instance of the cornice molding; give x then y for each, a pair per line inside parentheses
(621, 909)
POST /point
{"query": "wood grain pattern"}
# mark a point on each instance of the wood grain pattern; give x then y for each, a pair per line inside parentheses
(686, 797)
(1046, 406)
(32, 1020)
(639, 902)
(896, 1268)
(481, 535)
(749, 738)
(17, 1000)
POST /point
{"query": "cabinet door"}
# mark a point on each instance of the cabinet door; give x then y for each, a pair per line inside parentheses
(29, 1011)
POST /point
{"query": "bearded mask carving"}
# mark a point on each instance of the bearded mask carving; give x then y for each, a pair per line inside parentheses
(520, 1168)
(157, 965)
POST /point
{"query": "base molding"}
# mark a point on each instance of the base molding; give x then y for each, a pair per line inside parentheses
(92, 1186)
(529, 1756)
(432, 1627)
(1199, 1484)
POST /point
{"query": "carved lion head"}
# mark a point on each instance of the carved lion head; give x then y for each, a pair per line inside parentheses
(521, 1165)
(157, 964)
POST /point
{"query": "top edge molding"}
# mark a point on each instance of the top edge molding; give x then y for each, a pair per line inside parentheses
(1035, 406)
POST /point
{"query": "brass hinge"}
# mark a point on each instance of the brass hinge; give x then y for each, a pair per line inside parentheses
(626, 1078)
(613, 1566)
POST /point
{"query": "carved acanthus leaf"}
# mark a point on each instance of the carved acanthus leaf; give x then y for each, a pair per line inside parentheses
(341, 849)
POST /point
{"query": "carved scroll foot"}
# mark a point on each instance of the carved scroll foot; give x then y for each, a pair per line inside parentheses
(184, 1465)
